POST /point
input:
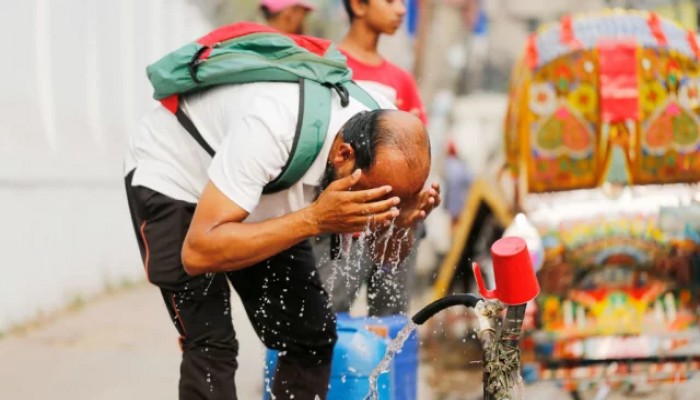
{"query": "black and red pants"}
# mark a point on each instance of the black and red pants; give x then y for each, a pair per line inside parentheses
(283, 298)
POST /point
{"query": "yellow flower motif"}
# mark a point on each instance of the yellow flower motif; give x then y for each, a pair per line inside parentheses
(652, 94)
(584, 99)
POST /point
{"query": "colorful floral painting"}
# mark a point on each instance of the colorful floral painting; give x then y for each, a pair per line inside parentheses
(564, 133)
(652, 95)
(689, 94)
(584, 98)
(560, 105)
(543, 99)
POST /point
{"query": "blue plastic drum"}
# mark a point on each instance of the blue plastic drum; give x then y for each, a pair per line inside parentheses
(356, 354)
(404, 368)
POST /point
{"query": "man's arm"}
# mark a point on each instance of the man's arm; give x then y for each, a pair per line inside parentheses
(218, 240)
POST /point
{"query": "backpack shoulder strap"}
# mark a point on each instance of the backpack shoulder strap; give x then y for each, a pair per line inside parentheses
(361, 95)
(312, 127)
(310, 135)
(189, 126)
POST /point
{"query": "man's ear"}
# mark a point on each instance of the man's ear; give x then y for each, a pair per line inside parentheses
(344, 154)
(343, 159)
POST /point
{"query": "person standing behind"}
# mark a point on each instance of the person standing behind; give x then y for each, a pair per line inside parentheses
(369, 19)
(388, 286)
(287, 16)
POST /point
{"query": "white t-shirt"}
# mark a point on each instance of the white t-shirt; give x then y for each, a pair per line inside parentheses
(251, 127)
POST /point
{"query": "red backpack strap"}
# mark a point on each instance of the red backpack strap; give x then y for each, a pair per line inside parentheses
(233, 31)
(171, 103)
(315, 45)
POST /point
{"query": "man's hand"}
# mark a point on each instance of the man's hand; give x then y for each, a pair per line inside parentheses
(420, 207)
(391, 247)
(340, 210)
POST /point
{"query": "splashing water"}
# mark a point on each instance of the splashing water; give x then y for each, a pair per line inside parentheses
(391, 350)
(355, 254)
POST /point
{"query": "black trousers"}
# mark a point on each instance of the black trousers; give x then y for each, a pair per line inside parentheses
(283, 298)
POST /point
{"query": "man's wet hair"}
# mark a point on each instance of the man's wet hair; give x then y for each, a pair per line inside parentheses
(348, 8)
(364, 132)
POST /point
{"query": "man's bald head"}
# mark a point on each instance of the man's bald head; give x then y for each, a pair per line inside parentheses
(372, 132)
(391, 147)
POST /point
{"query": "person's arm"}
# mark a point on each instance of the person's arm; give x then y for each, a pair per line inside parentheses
(218, 240)
(411, 98)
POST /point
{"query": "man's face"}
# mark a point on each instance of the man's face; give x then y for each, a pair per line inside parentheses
(391, 168)
(384, 16)
(402, 161)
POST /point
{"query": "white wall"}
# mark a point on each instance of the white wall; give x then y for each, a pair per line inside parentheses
(508, 22)
(72, 85)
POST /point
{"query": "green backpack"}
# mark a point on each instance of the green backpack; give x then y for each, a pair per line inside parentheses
(247, 52)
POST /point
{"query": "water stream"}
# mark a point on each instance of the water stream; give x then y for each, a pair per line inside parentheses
(394, 346)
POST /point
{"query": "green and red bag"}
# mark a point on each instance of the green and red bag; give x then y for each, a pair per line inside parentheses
(247, 52)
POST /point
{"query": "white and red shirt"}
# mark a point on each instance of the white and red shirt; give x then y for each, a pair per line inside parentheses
(251, 127)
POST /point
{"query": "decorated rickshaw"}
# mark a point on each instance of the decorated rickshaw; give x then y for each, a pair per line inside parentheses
(602, 149)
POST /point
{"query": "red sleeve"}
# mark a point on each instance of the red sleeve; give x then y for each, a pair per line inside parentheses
(411, 101)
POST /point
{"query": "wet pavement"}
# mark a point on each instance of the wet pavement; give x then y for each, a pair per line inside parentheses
(122, 346)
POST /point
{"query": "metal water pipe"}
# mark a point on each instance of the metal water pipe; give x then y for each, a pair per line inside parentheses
(516, 286)
(499, 341)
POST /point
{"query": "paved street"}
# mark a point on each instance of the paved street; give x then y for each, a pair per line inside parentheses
(119, 347)
(122, 346)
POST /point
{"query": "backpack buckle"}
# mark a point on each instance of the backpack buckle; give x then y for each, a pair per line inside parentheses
(342, 93)
(195, 62)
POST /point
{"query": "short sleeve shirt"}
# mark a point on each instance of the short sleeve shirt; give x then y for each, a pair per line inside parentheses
(391, 81)
(251, 127)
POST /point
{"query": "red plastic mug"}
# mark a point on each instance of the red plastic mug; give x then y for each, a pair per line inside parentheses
(516, 282)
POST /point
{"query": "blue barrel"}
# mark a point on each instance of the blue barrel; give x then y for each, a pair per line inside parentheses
(356, 354)
(404, 368)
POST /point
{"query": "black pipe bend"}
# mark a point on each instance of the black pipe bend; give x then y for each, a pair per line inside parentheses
(465, 299)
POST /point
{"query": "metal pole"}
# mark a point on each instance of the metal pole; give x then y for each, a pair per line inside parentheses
(487, 340)
(503, 356)
(513, 325)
